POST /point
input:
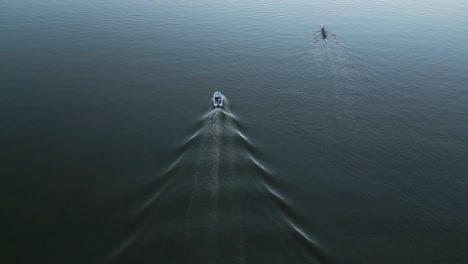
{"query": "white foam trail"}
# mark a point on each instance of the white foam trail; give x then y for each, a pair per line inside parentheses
(208, 156)
(216, 155)
(230, 159)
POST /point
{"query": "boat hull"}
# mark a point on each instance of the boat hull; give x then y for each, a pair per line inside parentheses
(218, 100)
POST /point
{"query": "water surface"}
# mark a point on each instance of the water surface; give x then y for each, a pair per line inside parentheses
(348, 152)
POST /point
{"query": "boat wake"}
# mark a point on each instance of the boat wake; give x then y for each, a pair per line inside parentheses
(217, 203)
(331, 38)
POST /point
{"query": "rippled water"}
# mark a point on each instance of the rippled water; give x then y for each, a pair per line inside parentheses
(348, 152)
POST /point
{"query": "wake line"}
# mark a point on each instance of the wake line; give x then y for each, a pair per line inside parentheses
(288, 214)
(236, 206)
(216, 125)
(156, 190)
(208, 153)
(212, 208)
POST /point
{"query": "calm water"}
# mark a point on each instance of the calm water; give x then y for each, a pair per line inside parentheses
(353, 151)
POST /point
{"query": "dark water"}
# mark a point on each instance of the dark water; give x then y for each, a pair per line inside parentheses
(351, 152)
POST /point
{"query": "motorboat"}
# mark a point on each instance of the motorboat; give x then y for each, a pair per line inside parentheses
(218, 100)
